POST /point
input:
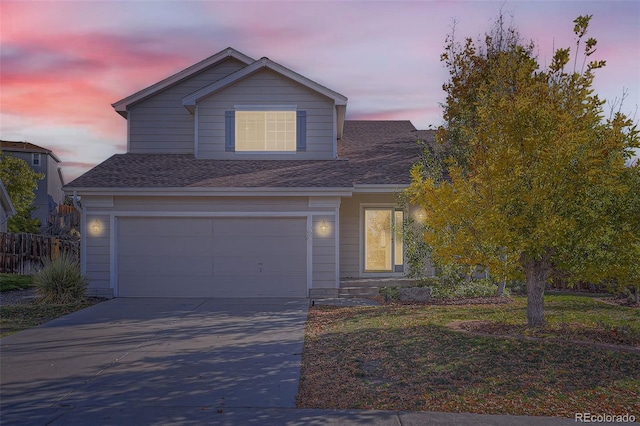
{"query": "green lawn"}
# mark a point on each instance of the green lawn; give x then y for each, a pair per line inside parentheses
(10, 282)
(398, 357)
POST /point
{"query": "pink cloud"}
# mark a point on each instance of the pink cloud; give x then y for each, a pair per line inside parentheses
(67, 78)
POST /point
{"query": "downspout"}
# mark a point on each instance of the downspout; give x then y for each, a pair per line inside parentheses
(74, 198)
(83, 237)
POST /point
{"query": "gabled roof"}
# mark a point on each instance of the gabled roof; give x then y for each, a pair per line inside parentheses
(121, 105)
(339, 100)
(371, 153)
(190, 101)
(28, 147)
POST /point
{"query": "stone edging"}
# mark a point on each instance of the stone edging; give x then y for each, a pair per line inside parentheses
(457, 326)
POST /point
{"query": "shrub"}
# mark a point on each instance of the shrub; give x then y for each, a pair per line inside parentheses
(475, 288)
(60, 281)
(478, 288)
(389, 293)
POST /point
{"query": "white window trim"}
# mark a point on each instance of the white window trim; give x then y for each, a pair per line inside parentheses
(35, 156)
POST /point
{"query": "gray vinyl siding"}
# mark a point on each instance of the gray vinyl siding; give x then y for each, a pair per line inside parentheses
(161, 124)
(211, 204)
(350, 222)
(54, 183)
(98, 252)
(324, 254)
(267, 88)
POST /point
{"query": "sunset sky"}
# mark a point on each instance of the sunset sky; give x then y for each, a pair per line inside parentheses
(63, 63)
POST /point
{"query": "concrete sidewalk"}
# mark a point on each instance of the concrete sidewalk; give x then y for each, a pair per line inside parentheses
(178, 361)
(189, 415)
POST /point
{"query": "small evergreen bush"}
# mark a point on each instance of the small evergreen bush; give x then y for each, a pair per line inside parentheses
(478, 288)
(389, 293)
(475, 288)
(60, 281)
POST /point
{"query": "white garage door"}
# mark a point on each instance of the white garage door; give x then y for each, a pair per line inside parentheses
(212, 257)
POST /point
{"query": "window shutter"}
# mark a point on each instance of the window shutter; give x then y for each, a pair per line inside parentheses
(301, 131)
(230, 131)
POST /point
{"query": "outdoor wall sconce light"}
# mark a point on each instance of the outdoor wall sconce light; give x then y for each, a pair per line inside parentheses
(95, 228)
(323, 229)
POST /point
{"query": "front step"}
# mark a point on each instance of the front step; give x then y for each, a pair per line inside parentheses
(370, 287)
(358, 291)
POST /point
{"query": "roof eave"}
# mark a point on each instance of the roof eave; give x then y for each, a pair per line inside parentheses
(38, 150)
(379, 188)
(228, 192)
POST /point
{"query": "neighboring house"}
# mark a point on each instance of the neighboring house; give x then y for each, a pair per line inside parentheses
(243, 179)
(49, 193)
(6, 207)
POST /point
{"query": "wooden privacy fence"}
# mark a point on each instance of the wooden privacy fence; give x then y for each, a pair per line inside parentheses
(26, 253)
(63, 221)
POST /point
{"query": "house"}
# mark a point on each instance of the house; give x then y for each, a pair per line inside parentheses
(6, 207)
(242, 178)
(49, 193)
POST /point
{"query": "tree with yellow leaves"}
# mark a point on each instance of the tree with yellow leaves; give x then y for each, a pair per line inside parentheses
(528, 169)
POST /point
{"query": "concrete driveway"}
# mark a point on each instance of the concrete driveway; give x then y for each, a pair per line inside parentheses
(160, 361)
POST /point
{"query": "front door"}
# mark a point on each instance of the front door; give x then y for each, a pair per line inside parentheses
(383, 251)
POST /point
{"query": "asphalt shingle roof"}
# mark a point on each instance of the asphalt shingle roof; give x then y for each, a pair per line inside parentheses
(370, 152)
(13, 146)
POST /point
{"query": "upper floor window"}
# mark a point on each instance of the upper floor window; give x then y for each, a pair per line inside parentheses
(35, 159)
(265, 131)
(265, 128)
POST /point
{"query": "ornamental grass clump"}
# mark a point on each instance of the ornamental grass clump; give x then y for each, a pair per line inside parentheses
(60, 281)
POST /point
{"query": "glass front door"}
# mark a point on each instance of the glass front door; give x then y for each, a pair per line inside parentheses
(383, 240)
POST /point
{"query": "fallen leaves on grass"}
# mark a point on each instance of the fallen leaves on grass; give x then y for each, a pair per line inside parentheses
(398, 357)
(562, 331)
(454, 301)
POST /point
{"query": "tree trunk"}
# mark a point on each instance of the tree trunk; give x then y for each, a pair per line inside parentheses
(537, 272)
(501, 285)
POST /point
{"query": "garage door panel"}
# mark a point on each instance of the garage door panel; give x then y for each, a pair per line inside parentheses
(285, 248)
(214, 257)
(241, 265)
(157, 266)
(229, 287)
(167, 227)
(167, 246)
(257, 227)
(164, 286)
